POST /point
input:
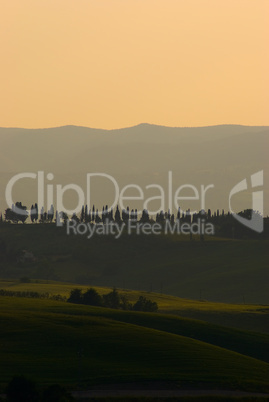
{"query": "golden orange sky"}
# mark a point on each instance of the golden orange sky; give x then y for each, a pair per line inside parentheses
(117, 63)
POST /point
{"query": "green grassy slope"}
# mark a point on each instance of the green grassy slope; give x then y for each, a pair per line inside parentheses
(242, 316)
(42, 339)
(216, 270)
(250, 343)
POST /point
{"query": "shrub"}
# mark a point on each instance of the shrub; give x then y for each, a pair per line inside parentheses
(144, 304)
(75, 296)
(112, 299)
(92, 298)
(21, 389)
(25, 279)
(56, 393)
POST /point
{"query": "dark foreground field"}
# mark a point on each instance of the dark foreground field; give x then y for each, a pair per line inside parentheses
(75, 345)
(198, 341)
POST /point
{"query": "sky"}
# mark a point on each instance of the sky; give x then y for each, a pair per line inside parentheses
(117, 63)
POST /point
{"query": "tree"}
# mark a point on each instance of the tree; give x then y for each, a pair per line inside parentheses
(75, 296)
(36, 212)
(112, 299)
(82, 215)
(97, 217)
(144, 304)
(86, 217)
(21, 389)
(124, 303)
(41, 215)
(51, 213)
(117, 215)
(32, 214)
(56, 393)
(145, 216)
(92, 298)
(111, 215)
(62, 215)
(75, 218)
(21, 211)
(17, 213)
(103, 215)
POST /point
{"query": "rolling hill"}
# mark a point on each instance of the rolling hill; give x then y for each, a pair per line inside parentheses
(230, 271)
(143, 155)
(53, 341)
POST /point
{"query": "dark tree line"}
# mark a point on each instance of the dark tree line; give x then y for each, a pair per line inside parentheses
(22, 389)
(224, 223)
(111, 300)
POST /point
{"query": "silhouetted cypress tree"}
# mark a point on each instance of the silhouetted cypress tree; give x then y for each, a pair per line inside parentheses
(188, 216)
(82, 215)
(75, 218)
(51, 213)
(89, 216)
(161, 217)
(145, 216)
(97, 217)
(117, 215)
(36, 212)
(42, 215)
(169, 215)
(57, 217)
(32, 214)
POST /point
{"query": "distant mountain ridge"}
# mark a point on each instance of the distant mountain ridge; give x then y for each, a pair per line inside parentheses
(143, 154)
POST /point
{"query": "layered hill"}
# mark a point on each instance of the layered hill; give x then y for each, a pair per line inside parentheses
(72, 344)
(142, 155)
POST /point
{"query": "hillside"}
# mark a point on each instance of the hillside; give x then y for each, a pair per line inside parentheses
(248, 317)
(229, 271)
(218, 155)
(55, 341)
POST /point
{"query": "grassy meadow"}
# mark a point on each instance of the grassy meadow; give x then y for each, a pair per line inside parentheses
(249, 317)
(56, 341)
(211, 330)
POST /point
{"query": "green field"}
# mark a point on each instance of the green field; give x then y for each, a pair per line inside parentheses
(242, 316)
(211, 330)
(56, 341)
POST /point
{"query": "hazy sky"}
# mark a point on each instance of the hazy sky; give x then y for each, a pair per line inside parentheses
(117, 63)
